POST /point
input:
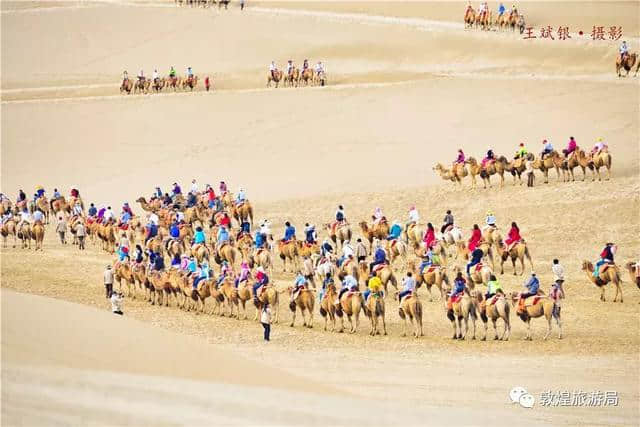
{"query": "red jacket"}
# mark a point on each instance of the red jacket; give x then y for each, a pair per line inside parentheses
(226, 221)
(212, 195)
(514, 236)
(429, 238)
(476, 236)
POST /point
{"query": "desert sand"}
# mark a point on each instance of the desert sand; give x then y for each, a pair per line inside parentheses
(407, 87)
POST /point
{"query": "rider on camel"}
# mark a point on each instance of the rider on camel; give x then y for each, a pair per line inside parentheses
(547, 149)
(460, 159)
(489, 158)
(513, 236)
(522, 152)
(476, 236)
(606, 257)
(395, 231)
(430, 237)
(289, 232)
(571, 147)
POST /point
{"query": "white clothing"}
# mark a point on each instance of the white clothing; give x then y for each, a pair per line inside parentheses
(491, 220)
(529, 166)
(189, 72)
(414, 216)
(272, 67)
(624, 48)
(116, 302)
(25, 216)
(548, 146)
(289, 67)
(38, 216)
(179, 216)
(141, 75)
(194, 188)
(319, 68)
(347, 251)
(154, 218)
(108, 215)
(265, 229)
(77, 210)
(6, 217)
(155, 75)
(558, 272)
(599, 146)
(265, 316)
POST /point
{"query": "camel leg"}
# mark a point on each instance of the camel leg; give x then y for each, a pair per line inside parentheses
(528, 337)
(293, 318)
(548, 316)
(455, 329)
(404, 329)
(602, 298)
(556, 314)
(495, 328)
(513, 262)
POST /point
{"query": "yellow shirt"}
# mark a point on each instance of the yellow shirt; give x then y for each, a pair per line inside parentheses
(375, 284)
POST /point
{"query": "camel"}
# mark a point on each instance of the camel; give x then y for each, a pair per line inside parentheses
(292, 78)
(307, 76)
(496, 308)
(374, 309)
(122, 271)
(321, 79)
(173, 247)
(540, 306)
(397, 249)
(577, 158)
(59, 205)
(451, 238)
(289, 252)
(24, 234)
(43, 204)
(190, 82)
(138, 270)
(227, 253)
(484, 20)
(142, 86)
(262, 258)
(149, 207)
(275, 77)
(37, 232)
(306, 249)
(228, 296)
(469, 17)
(626, 64)
(480, 274)
(517, 167)
(462, 309)
(126, 86)
(518, 251)
(350, 305)
(378, 231)
(602, 159)
(304, 301)
(243, 212)
(328, 307)
(455, 174)
(201, 252)
(411, 308)
(268, 294)
(340, 233)
(207, 288)
(491, 168)
(383, 271)
(514, 19)
(551, 161)
(107, 234)
(9, 228)
(174, 83)
(159, 285)
(634, 272)
(159, 84)
(432, 275)
(245, 293)
(414, 236)
(610, 274)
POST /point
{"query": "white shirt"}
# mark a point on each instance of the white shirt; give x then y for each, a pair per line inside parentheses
(194, 188)
(272, 67)
(25, 216)
(289, 67)
(116, 303)
(155, 75)
(319, 68)
(558, 272)
(37, 216)
(347, 251)
(265, 316)
(77, 209)
(413, 215)
(179, 216)
(108, 214)
(548, 146)
(265, 229)
(624, 48)
(599, 146)
(491, 220)
(154, 218)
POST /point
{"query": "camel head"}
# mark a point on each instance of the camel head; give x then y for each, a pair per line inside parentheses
(438, 167)
(587, 266)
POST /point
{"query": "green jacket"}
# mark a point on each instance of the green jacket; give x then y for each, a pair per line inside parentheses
(494, 286)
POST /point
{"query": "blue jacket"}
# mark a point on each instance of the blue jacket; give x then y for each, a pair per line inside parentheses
(533, 284)
(199, 237)
(459, 286)
(93, 211)
(174, 231)
(501, 9)
(259, 239)
(339, 216)
(310, 234)
(223, 235)
(395, 231)
(476, 256)
(290, 232)
(380, 255)
(159, 263)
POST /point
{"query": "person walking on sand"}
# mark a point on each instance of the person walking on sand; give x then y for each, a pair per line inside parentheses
(116, 303)
(108, 281)
(265, 319)
(61, 228)
(530, 175)
(81, 233)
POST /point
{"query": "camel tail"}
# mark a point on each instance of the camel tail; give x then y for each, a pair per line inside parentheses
(418, 310)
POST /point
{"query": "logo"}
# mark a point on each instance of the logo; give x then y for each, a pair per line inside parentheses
(521, 396)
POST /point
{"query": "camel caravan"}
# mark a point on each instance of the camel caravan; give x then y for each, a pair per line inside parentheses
(156, 84)
(197, 251)
(293, 76)
(484, 18)
(205, 3)
(524, 164)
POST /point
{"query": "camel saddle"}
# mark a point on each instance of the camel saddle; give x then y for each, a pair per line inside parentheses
(123, 227)
(449, 228)
(453, 299)
(394, 242)
(197, 246)
(409, 295)
(478, 267)
(430, 269)
(527, 302)
(379, 267)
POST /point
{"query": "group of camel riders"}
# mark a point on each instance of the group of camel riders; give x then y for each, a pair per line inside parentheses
(290, 68)
(522, 152)
(156, 76)
(36, 215)
(483, 9)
